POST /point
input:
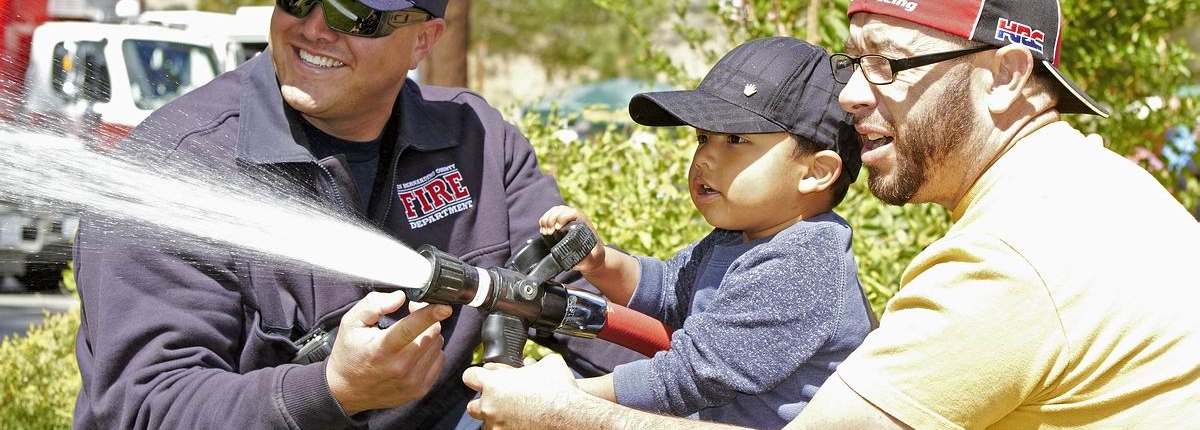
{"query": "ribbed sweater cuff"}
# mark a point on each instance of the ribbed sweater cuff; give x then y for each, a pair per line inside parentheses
(308, 402)
(631, 387)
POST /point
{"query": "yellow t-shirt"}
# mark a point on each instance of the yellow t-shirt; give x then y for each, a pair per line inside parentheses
(1065, 295)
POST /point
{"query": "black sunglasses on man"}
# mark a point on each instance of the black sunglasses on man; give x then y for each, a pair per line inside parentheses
(354, 18)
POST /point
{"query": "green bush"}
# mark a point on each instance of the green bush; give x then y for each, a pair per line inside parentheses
(38, 375)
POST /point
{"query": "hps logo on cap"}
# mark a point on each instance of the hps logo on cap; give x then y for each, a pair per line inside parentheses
(1015, 32)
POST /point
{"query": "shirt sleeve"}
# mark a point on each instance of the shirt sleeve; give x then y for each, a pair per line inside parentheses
(530, 193)
(972, 332)
(774, 309)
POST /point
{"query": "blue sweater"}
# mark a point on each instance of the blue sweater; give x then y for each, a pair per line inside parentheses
(763, 324)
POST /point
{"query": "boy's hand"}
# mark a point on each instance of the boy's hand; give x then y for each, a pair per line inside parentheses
(559, 216)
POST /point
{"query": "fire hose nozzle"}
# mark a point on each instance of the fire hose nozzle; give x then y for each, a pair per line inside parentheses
(451, 281)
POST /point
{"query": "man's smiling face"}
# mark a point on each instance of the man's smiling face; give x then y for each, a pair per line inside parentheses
(330, 76)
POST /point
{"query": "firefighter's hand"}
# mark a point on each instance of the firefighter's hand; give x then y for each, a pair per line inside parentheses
(525, 398)
(374, 368)
(558, 217)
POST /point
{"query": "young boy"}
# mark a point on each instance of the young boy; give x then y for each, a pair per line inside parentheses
(769, 303)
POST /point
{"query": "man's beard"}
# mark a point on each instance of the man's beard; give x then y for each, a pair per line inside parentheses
(926, 141)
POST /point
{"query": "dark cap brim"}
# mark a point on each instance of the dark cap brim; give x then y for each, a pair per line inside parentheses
(697, 109)
(388, 4)
(1072, 99)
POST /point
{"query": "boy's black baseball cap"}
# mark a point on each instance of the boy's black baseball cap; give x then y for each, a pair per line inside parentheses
(437, 8)
(766, 85)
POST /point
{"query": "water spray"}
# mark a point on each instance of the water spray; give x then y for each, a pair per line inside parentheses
(174, 198)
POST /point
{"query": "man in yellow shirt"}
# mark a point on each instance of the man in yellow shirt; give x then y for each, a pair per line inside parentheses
(1064, 295)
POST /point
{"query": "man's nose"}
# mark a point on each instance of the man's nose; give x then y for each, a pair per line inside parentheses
(858, 95)
(314, 27)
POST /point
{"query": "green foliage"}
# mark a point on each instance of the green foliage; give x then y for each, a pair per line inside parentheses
(566, 37)
(229, 6)
(631, 185)
(38, 375)
(1120, 53)
(887, 238)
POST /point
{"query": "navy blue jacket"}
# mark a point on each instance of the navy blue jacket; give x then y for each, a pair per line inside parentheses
(173, 337)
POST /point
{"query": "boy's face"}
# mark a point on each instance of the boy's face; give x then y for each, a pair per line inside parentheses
(747, 182)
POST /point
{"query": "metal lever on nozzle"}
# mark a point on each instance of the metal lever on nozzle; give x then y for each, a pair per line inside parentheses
(545, 257)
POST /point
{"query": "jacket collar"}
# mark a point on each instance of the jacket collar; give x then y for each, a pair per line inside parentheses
(269, 130)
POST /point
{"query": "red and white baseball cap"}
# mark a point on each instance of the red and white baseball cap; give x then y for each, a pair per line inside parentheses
(1035, 24)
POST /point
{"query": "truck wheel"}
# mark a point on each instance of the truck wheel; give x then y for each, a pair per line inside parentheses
(43, 271)
(42, 277)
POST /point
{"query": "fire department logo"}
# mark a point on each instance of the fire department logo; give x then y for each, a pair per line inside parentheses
(432, 197)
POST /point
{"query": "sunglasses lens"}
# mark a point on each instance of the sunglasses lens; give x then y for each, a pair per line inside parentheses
(351, 17)
(296, 8)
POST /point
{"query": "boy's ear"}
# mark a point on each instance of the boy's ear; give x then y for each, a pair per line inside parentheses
(824, 168)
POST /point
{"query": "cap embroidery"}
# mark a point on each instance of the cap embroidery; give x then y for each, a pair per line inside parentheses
(1016, 32)
(908, 6)
(750, 90)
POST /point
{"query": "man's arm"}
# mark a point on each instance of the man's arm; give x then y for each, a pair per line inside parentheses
(544, 395)
(161, 344)
(836, 406)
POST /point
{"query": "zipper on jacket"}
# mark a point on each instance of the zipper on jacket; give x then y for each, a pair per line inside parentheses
(337, 196)
(391, 182)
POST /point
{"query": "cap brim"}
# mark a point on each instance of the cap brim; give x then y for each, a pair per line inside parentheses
(697, 109)
(388, 4)
(1072, 99)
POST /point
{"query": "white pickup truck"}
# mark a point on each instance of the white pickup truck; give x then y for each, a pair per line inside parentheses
(97, 81)
(92, 82)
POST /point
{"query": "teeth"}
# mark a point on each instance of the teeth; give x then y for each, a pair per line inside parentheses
(319, 61)
(874, 136)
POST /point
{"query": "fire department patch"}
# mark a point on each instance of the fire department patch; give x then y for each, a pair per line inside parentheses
(432, 197)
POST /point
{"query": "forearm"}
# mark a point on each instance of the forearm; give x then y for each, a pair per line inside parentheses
(600, 386)
(617, 277)
(592, 413)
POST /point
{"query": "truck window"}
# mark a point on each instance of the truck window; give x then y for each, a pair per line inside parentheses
(60, 66)
(97, 87)
(160, 71)
(79, 70)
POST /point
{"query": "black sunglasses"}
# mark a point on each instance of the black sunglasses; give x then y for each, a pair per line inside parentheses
(880, 70)
(354, 18)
